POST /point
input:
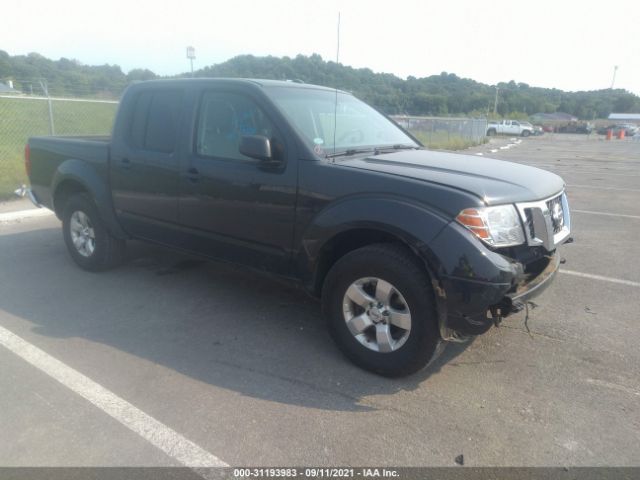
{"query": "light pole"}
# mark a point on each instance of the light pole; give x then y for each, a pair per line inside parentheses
(191, 55)
(615, 69)
(495, 103)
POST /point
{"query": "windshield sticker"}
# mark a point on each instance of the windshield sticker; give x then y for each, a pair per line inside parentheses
(318, 141)
(319, 150)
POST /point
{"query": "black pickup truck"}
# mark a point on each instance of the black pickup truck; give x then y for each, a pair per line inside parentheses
(407, 248)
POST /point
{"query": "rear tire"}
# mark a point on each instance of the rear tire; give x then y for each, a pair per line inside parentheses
(491, 132)
(393, 337)
(89, 242)
(526, 133)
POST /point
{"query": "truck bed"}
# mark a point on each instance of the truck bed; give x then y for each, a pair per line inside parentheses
(48, 153)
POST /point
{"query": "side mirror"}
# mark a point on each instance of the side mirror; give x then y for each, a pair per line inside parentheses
(256, 146)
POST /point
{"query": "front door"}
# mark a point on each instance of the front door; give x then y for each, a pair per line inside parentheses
(514, 128)
(239, 208)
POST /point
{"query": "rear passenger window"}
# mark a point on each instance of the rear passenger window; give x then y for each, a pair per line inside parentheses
(139, 120)
(155, 120)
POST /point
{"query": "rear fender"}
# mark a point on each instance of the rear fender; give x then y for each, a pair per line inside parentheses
(93, 181)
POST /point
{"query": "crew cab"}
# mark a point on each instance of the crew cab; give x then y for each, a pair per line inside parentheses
(406, 248)
(510, 127)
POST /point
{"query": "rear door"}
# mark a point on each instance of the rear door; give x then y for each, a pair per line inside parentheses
(237, 207)
(145, 162)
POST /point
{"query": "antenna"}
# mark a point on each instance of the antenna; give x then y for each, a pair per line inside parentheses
(335, 107)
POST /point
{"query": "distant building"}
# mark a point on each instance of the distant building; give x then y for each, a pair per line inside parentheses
(553, 117)
(7, 88)
(625, 117)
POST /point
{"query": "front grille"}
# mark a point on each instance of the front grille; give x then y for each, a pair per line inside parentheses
(546, 222)
(557, 214)
(529, 222)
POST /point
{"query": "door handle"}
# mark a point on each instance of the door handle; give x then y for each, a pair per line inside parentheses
(126, 163)
(193, 174)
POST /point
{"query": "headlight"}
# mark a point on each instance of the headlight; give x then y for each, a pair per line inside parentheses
(496, 226)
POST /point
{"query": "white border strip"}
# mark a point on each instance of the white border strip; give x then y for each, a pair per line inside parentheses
(156, 433)
(602, 278)
(22, 214)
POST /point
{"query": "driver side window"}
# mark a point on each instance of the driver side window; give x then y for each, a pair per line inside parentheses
(223, 119)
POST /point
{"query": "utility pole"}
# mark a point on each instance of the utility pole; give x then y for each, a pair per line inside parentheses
(495, 103)
(615, 69)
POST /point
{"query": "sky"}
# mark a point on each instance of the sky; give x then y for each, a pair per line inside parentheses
(571, 45)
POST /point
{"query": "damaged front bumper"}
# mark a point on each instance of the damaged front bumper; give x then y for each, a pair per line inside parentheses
(479, 305)
(526, 290)
(477, 286)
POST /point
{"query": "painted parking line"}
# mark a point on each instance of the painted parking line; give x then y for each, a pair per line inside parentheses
(8, 217)
(574, 167)
(621, 215)
(153, 431)
(604, 188)
(602, 278)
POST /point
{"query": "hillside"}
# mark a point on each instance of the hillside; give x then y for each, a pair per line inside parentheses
(443, 94)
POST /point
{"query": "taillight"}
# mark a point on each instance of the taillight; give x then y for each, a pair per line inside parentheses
(27, 160)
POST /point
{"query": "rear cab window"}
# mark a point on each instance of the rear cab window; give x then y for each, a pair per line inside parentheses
(155, 120)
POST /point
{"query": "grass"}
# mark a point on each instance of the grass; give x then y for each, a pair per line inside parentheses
(21, 118)
(443, 140)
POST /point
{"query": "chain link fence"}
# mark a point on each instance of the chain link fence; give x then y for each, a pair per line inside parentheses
(24, 116)
(445, 133)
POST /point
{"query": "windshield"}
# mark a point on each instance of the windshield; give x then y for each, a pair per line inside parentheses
(358, 126)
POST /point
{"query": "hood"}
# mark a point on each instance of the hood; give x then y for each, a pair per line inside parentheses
(494, 181)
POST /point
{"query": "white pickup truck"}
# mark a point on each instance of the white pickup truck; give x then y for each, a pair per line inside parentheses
(509, 127)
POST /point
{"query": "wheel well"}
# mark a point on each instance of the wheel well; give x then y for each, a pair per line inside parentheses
(344, 243)
(64, 191)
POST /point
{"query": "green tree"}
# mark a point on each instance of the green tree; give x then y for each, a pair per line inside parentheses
(441, 94)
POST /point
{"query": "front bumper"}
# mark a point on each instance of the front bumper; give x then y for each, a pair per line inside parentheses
(536, 286)
(474, 306)
(476, 285)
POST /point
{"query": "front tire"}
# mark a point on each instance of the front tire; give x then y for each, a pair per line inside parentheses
(88, 241)
(380, 311)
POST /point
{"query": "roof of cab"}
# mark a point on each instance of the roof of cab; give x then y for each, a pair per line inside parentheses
(250, 81)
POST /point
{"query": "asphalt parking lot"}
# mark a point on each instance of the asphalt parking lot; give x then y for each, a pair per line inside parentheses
(241, 366)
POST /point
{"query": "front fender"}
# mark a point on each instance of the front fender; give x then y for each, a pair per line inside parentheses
(93, 179)
(413, 223)
(408, 222)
